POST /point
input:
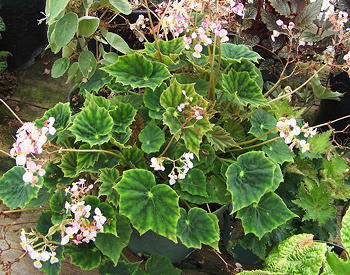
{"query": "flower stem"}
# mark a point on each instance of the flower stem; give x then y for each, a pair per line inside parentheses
(23, 210)
(255, 145)
(12, 112)
(4, 152)
(257, 138)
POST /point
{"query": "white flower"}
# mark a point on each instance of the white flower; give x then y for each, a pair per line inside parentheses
(44, 256)
(35, 255)
(173, 178)
(304, 146)
(279, 22)
(157, 164)
(37, 264)
(28, 176)
(296, 131)
(65, 240)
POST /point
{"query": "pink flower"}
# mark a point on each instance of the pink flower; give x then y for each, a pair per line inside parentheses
(279, 22)
(28, 177)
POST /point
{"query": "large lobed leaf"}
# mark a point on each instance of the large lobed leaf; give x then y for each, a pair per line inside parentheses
(232, 52)
(14, 192)
(250, 178)
(92, 125)
(345, 231)
(266, 215)
(138, 72)
(152, 138)
(147, 205)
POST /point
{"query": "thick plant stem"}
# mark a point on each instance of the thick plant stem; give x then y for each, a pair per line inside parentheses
(212, 80)
(12, 112)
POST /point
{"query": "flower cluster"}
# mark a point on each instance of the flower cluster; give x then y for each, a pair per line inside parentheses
(44, 253)
(139, 26)
(178, 172)
(196, 112)
(289, 130)
(83, 227)
(30, 140)
(179, 18)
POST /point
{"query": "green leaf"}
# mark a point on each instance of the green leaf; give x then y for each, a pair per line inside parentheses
(53, 8)
(138, 72)
(87, 63)
(252, 243)
(309, 14)
(92, 125)
(243, 87)
(147, 205)
(278, 151)
(84, 256)
(316, 202)
(14, 192)
(122, 116)
(171, 119)
(111, 245)
(247, 66)
(261, 122)
(217, 191)
(152, 138)
(322, 92)
(108, 177)
(220, 139)
(65, 29)
(2, 25)
(97, 81)
(345, 231)
(192, 136)
(57, 202)
(158, 265)
(258, 272)
(281, 6)
(266, 215)
(134, 157)
(249, 179)
(297, 255)
(121, 5)
(62, 114)
(194, 183)
(172, 48)
(86, 159)
(59, 67)
(319, 144)
(151, 99)
(54, 176)
(197, 227)
(108, 211)
(201, 86)
(43, 198)
(338, 266)
(69, 165)
(44, 223)
(117, 42)
(88, 25)
(122, 268)
(232, 52)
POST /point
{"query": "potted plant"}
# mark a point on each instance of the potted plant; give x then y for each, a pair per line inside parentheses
(165, 136)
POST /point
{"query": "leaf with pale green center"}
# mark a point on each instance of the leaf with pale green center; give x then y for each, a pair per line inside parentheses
(85, 256)
(111, 245)
(194, 183)
(65, 29)
(59, 67)
(244, 88)
(261, 122)
(92, 125)
(220, 139)
(264, 216)
(173, 95)
(108, 178)
(171, 48)
(138, 72)
(134, 157)
(249, 179)
(69, 165)
(122, 116)
(171, 119)
(62, 114)
(192, 136)
(247, 66)
(147, 205)
(121, 5)
(14, 192)
(151, 99)
(97, 81)
(158, 265)
(152, 138)
(99, 101)
(196, 228)
(88, 25)
(278, 151)
(232, 52)
(86, 159)
(105, 160)
(87, 63)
